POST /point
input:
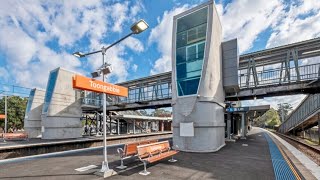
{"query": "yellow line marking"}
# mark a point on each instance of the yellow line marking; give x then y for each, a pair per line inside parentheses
(289, 163)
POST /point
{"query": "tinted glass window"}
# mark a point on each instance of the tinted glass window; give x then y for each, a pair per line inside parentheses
(49, 91)
(30, 100)
(190, 44)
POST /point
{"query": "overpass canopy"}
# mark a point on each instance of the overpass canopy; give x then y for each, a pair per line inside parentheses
(134, 115)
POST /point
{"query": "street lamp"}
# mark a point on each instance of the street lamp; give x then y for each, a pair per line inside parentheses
(136, 28)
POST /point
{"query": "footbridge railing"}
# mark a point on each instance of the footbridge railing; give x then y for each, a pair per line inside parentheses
(279, 76)
(302, 116)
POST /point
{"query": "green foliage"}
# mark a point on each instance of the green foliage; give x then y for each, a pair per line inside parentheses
(270, 118)
(16, 111)
(161, 113)
(144, 112)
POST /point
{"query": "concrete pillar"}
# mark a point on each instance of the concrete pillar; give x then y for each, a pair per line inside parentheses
(110, 125)
(32, 120)
(147, 127)
(127, 127)
(228, 125)
(242, 126)
(97, 123)
(134, 126)
(118, 127)
(162, 126)
(61, 110)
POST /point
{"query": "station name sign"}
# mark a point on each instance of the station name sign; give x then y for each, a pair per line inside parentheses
(237, 109)
(89, 84)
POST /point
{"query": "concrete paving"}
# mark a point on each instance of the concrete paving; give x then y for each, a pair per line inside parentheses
(244, 159)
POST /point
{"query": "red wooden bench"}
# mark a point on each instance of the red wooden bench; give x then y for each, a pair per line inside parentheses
(151, 153)
(15, 136)
(130, 150)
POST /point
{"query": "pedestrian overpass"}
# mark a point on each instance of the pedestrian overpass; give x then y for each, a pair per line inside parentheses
(282, 70)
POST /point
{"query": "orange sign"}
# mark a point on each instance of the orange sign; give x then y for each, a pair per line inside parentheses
(84, 83)
(2, 116)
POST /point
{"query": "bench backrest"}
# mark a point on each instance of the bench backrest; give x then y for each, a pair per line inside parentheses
(154, 148)
(131, 148)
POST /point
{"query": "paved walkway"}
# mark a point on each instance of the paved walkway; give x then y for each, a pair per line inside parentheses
(245, 159)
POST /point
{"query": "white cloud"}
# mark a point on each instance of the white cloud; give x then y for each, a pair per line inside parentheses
(4, 73)
(26, 28)
(300, 23)
(294, 100)
(134, 68)
(17, 45)
(162, 36)
(245, 20)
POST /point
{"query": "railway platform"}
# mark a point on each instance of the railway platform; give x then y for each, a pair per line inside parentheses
(256, 157)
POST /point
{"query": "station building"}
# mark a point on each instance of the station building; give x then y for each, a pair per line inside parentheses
(203, 69)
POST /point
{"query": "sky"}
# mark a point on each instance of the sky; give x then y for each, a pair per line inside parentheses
(39, 36)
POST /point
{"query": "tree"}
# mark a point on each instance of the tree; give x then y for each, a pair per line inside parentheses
(161, 113)
(143, 112)
(270, 118)
(283, 110)
(15, 111)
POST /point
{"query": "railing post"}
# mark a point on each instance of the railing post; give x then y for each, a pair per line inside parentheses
(296, 65)
(281, 69)
(252, 66)
(287, 66)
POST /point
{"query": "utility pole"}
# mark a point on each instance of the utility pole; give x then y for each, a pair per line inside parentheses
(6, 115)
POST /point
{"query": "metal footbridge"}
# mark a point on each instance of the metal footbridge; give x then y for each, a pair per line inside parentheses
(282, 70)
(305, 116)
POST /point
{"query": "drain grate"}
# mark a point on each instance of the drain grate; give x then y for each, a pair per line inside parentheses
(281, 168)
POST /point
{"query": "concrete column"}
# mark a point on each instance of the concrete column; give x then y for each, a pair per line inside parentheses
(147, 126)
(162, 126)
(118, 127)
(110, 125)
(127, 127)
(134, 126)
(97, 123)
(242, 126)
(228, 125)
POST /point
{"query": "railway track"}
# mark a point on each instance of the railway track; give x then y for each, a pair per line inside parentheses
(312, 152)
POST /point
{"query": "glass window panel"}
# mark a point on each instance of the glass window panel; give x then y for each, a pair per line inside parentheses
(49, 91)
(191, 53)
(30, 100)
(192, 20)
(181, 39)
(190, 42)
(201, 50)
(181, 55)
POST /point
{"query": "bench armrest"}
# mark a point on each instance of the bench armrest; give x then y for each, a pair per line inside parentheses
(120, 152)
(143, 156)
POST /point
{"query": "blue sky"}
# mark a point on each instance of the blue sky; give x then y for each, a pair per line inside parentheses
(38, 36)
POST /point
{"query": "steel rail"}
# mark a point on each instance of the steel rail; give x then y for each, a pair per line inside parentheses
(299, 142)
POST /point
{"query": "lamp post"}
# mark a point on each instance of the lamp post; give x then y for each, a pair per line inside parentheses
(136, 28)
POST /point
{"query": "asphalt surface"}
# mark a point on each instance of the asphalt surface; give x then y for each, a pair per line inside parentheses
(234, 161)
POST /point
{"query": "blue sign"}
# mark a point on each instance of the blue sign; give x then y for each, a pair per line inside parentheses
(237, 109)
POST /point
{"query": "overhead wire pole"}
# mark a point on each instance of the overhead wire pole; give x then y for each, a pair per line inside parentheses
(5, 114)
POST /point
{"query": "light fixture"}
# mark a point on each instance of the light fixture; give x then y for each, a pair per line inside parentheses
(106, 70)
(79, 54)
(139, 27)
(95, 74)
